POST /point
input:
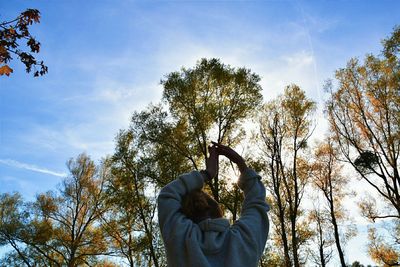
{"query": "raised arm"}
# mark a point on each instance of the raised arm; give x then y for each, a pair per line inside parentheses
(170, 217)
(252, 226)
(253, 222)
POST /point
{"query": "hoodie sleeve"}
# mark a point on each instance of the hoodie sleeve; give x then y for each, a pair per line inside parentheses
(170, 218)
(253, 224)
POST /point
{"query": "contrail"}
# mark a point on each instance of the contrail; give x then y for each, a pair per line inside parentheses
(30, 167)
(310, 43)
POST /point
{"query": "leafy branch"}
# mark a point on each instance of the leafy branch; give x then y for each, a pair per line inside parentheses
(12, 33)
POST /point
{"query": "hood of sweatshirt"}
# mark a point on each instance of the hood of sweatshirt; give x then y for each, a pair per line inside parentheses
(214, 232)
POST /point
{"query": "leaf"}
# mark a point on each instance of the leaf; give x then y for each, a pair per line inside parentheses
(5, 70)
(12, 33)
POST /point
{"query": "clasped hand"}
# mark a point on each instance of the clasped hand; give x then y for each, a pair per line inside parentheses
(217, 149)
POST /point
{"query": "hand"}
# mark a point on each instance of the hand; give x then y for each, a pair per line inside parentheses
(232, 155)
(212, 162)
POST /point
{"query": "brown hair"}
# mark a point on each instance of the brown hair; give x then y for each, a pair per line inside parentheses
(198, 205)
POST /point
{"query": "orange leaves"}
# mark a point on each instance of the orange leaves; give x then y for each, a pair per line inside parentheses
(12, 34)
(364, 116)
(11, 31)
(30, 16)
(380, 251)
(5, 70)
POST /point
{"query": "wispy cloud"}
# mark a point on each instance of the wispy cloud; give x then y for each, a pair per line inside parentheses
(31, 167)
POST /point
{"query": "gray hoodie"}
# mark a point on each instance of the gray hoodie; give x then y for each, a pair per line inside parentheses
(213, 242)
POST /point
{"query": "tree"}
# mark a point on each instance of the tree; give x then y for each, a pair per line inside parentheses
(364, 115)
(207, 102)
(327, 178)
(284, 128)
(164, 143)
(211, 100)
(271, 258)
(73, 215)
(323, 237)
(356, 264)
(382, 252)
(12, 32)
(130, 221)
(13, 220)
(200, 104)
(59, 228)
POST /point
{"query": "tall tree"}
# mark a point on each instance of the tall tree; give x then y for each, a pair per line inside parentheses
(130, 221)
(73, 215)
(327, 178)
(200, 104)
(62, 228)
(211, 100)
(284, 128)
(13, 220)
(165, 143)
(323, 239)
(364, 115)
(12, 33)
(382, 252)
(207, 102)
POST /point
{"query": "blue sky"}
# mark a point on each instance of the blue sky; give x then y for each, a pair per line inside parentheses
(106, 59)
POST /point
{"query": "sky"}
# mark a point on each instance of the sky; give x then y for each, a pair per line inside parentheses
(106, 60)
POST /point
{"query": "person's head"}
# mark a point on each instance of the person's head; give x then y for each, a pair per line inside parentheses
(198, 205)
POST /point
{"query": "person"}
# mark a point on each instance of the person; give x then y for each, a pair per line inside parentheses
(192, 227)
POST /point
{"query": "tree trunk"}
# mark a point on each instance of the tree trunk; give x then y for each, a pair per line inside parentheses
(337, 238)
(293, 217)
(283, 235)
(321, 245)
(296, 260)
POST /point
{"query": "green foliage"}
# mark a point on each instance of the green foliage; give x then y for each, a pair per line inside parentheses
(165, 145)
(211, 95)
(12, 217)
(130, 221)
(212, 92)
(391, 45)
(207, 102)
